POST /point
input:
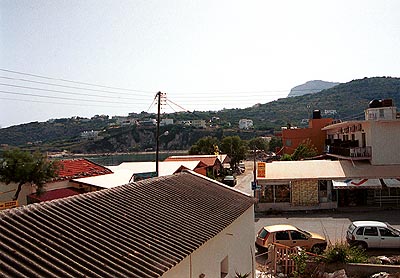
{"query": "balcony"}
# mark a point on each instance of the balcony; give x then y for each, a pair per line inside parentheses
(348, 150)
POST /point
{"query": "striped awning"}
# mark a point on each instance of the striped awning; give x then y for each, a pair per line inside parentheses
(394, 182)
(357, 183)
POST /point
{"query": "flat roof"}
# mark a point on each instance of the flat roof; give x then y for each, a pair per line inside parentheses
(327, 169)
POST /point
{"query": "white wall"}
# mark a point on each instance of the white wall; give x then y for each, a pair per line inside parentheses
(8, 191)
(235, 241)
(385, 138)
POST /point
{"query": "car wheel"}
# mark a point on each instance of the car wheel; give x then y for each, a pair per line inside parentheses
(318, 248)
(361, 245)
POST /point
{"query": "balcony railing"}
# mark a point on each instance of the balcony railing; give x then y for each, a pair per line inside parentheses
(351, 152)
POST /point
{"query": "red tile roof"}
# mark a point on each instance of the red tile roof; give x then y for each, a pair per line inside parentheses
(55, 194)
(80, 168)
(207, 159)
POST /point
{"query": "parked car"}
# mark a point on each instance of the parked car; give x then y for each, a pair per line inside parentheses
(291, 236)
(229, 180)
(372, 234)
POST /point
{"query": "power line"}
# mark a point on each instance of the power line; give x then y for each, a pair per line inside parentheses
(62, 103)
(65, 98)
(71, 81)
(64, 86)
(61, 92)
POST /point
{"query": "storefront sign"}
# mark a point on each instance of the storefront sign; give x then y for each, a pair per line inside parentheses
(8, 205)
(261, 170)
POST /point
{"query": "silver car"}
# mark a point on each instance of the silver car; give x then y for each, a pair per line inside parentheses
(372, 234)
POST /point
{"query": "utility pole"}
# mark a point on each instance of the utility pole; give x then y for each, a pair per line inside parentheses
(158, 130)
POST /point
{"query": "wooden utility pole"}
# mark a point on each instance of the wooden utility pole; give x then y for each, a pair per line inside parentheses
(158, 130)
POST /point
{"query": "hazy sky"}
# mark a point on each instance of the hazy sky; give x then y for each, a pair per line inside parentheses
(205, 55)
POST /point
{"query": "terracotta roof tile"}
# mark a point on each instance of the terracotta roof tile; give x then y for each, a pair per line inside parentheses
(55, 194)
(208, 160)
(79, 168)
(136, 230)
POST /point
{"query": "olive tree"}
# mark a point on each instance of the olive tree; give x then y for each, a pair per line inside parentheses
(22, 167)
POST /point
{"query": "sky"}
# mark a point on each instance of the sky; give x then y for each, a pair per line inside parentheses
(60, 59)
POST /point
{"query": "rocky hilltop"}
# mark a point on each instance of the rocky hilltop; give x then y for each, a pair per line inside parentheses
(311, 87)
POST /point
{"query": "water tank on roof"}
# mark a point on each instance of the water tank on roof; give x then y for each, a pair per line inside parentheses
(375, 103)
(316, 114)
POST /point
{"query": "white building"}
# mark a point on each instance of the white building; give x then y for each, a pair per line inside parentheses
(245, 124)
(162, 227)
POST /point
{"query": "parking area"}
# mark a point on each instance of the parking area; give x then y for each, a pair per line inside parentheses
(332, 225)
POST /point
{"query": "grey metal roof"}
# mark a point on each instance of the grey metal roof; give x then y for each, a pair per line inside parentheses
(137, 230)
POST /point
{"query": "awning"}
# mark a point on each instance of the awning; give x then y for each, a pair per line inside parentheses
(357, 183)
(395, 182)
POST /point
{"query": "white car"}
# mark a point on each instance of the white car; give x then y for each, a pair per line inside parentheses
(372, 234)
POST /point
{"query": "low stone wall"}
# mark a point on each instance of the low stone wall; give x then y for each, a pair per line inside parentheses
(355, 269)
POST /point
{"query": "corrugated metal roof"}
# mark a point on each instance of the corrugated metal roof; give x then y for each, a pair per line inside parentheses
(327, 169)
(136, 230)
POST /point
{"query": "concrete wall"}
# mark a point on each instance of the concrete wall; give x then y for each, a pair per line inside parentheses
(236, 243)
(304, 192)
(8, 191)
(385, 142)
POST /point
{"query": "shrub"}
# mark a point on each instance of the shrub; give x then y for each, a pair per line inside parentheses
(342, 253)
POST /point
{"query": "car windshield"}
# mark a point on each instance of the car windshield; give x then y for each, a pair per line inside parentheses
(393, 229)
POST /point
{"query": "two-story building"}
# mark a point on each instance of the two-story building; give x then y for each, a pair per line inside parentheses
(292, 137)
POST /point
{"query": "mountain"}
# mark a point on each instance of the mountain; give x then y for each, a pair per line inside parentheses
(346, 101)
(311, 87)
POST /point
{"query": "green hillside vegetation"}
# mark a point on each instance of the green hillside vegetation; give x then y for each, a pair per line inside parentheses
(348, 99)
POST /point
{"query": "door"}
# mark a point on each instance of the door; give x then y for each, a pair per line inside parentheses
(371, 237)
(282, 237)
(389, 239)
(300, 239)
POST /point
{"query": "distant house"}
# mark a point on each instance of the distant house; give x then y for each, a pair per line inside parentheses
(199, 123)
(178, 226)
(245, 124)
(165, 122)
(213, 163)
(61, 186)
(293, 137)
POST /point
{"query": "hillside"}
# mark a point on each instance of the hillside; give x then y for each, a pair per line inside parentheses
(347, 100)
(311, 87)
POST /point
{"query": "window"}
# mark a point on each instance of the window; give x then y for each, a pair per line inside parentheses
(282, 235)
(296, 235)
(275, 193)
(370, 231)
(288, 142)
(360, 231)
(224, 267)
(282, 193)
(381, 113)
(323, 189)
(386, 232)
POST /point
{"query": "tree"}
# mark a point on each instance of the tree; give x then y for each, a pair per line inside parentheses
(275, 143)
(205, 145)
(304, 150)
(23, 167)
(258, 143)
(235, 148)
